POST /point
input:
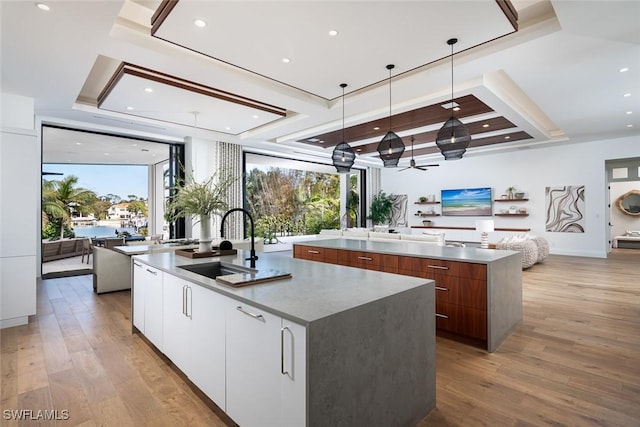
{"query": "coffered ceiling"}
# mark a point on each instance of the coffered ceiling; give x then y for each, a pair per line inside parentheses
(555, 80)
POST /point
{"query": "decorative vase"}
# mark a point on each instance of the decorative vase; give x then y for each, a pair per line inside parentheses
(204, 243)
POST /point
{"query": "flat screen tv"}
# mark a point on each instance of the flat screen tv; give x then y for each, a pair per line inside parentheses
(466, 202)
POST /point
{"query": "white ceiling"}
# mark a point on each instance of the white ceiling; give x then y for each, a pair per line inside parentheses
(557, 78)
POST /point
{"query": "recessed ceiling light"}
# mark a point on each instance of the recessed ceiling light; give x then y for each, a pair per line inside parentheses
(376, 128)
(153, 154)
(129, 108)
(629, 112)
(320, 142)
(358, 149)
(507, 137)
(106, 154)
(626, 95)
(199, 23)
(456, 108)
(78, 143)
(624, 70)
(134, 145)
(148, 89)
(286, 60)
(313, 140)
(629, 126)
(486, 125)
(227, 128)
(43, 6)
(333, 33)
(255, 116)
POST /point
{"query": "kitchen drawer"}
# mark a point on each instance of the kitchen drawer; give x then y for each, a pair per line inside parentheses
(427, 268)
(314, 253)
(461, 320)
(369, 261)
(462, 291)
(472, 271)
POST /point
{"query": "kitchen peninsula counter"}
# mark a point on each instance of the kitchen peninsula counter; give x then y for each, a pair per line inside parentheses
(478, 291)
(368, 340)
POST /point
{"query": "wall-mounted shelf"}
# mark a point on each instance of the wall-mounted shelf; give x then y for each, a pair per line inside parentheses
(508, 214)
(511, 200)
(427, 214)
(470, 228)
(427, 203)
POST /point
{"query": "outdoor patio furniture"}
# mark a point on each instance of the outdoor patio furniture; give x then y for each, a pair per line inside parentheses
(87, 248)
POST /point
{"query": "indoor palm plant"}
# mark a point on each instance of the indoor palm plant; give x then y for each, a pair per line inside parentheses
(380, 209)
(200, 200)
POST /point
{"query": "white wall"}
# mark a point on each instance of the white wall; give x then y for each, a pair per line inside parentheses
(530, 171)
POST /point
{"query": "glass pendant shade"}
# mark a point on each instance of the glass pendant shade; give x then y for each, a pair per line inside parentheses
(453, 139)
(343, 157)
(390, 149)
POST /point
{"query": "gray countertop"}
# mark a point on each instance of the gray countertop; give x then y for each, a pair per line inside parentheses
(316, 290)
(144, 249)
(413, 249)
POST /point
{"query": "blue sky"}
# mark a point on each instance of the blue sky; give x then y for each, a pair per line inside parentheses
(105, 179)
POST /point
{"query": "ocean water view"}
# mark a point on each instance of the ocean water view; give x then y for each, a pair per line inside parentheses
(100, 231)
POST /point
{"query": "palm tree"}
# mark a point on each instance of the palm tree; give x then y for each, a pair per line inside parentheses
(61, 198)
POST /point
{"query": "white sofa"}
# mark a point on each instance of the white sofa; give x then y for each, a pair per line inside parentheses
(381, 236)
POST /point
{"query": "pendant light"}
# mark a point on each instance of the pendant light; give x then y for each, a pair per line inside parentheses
(343, 155)
(453, 138)
(391, 147)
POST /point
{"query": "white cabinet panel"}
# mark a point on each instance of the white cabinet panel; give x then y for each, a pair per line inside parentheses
(253, 366)
(194, 334)
(266, 369)
(138, 295)
(19, 194)
(293, 402)
(17, 287)
(147, 302)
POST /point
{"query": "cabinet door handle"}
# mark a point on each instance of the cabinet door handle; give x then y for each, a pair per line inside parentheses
(189, 302)
(442, 316)
(439, 288)
(155, 273)
(282, 368)
(184, 299)
(439, 267)
(365, 258)
(137, 264)
(248, 313)
(313, 252)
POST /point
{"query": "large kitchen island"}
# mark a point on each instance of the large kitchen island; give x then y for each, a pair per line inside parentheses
(331, 345)
(478, 291)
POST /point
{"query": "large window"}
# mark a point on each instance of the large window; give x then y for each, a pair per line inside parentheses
(291, 197)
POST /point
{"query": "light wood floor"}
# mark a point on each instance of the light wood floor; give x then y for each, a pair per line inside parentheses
(574, 361)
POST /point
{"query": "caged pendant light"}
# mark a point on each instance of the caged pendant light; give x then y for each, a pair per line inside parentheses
(391, 147)
(453, 138)
(343, 155)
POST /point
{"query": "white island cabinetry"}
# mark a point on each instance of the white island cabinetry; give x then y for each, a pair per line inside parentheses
(265, 368)
(194, 334)
(329, 346)
(147, 302)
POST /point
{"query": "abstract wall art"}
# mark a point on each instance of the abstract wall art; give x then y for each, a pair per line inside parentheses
(399, 217)
(565, 209)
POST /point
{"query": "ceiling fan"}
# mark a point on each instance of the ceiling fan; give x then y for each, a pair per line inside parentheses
(412, 162)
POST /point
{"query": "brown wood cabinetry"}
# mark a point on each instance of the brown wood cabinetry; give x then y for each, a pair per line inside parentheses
(461, 287)
(369, 260)
(316, 254)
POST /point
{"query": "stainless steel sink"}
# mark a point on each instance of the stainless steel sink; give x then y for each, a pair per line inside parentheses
(215, 269)
(235, 275)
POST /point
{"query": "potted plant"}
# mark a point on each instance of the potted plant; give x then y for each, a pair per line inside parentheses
(510, 191)
(380, 209)
(200, 200)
